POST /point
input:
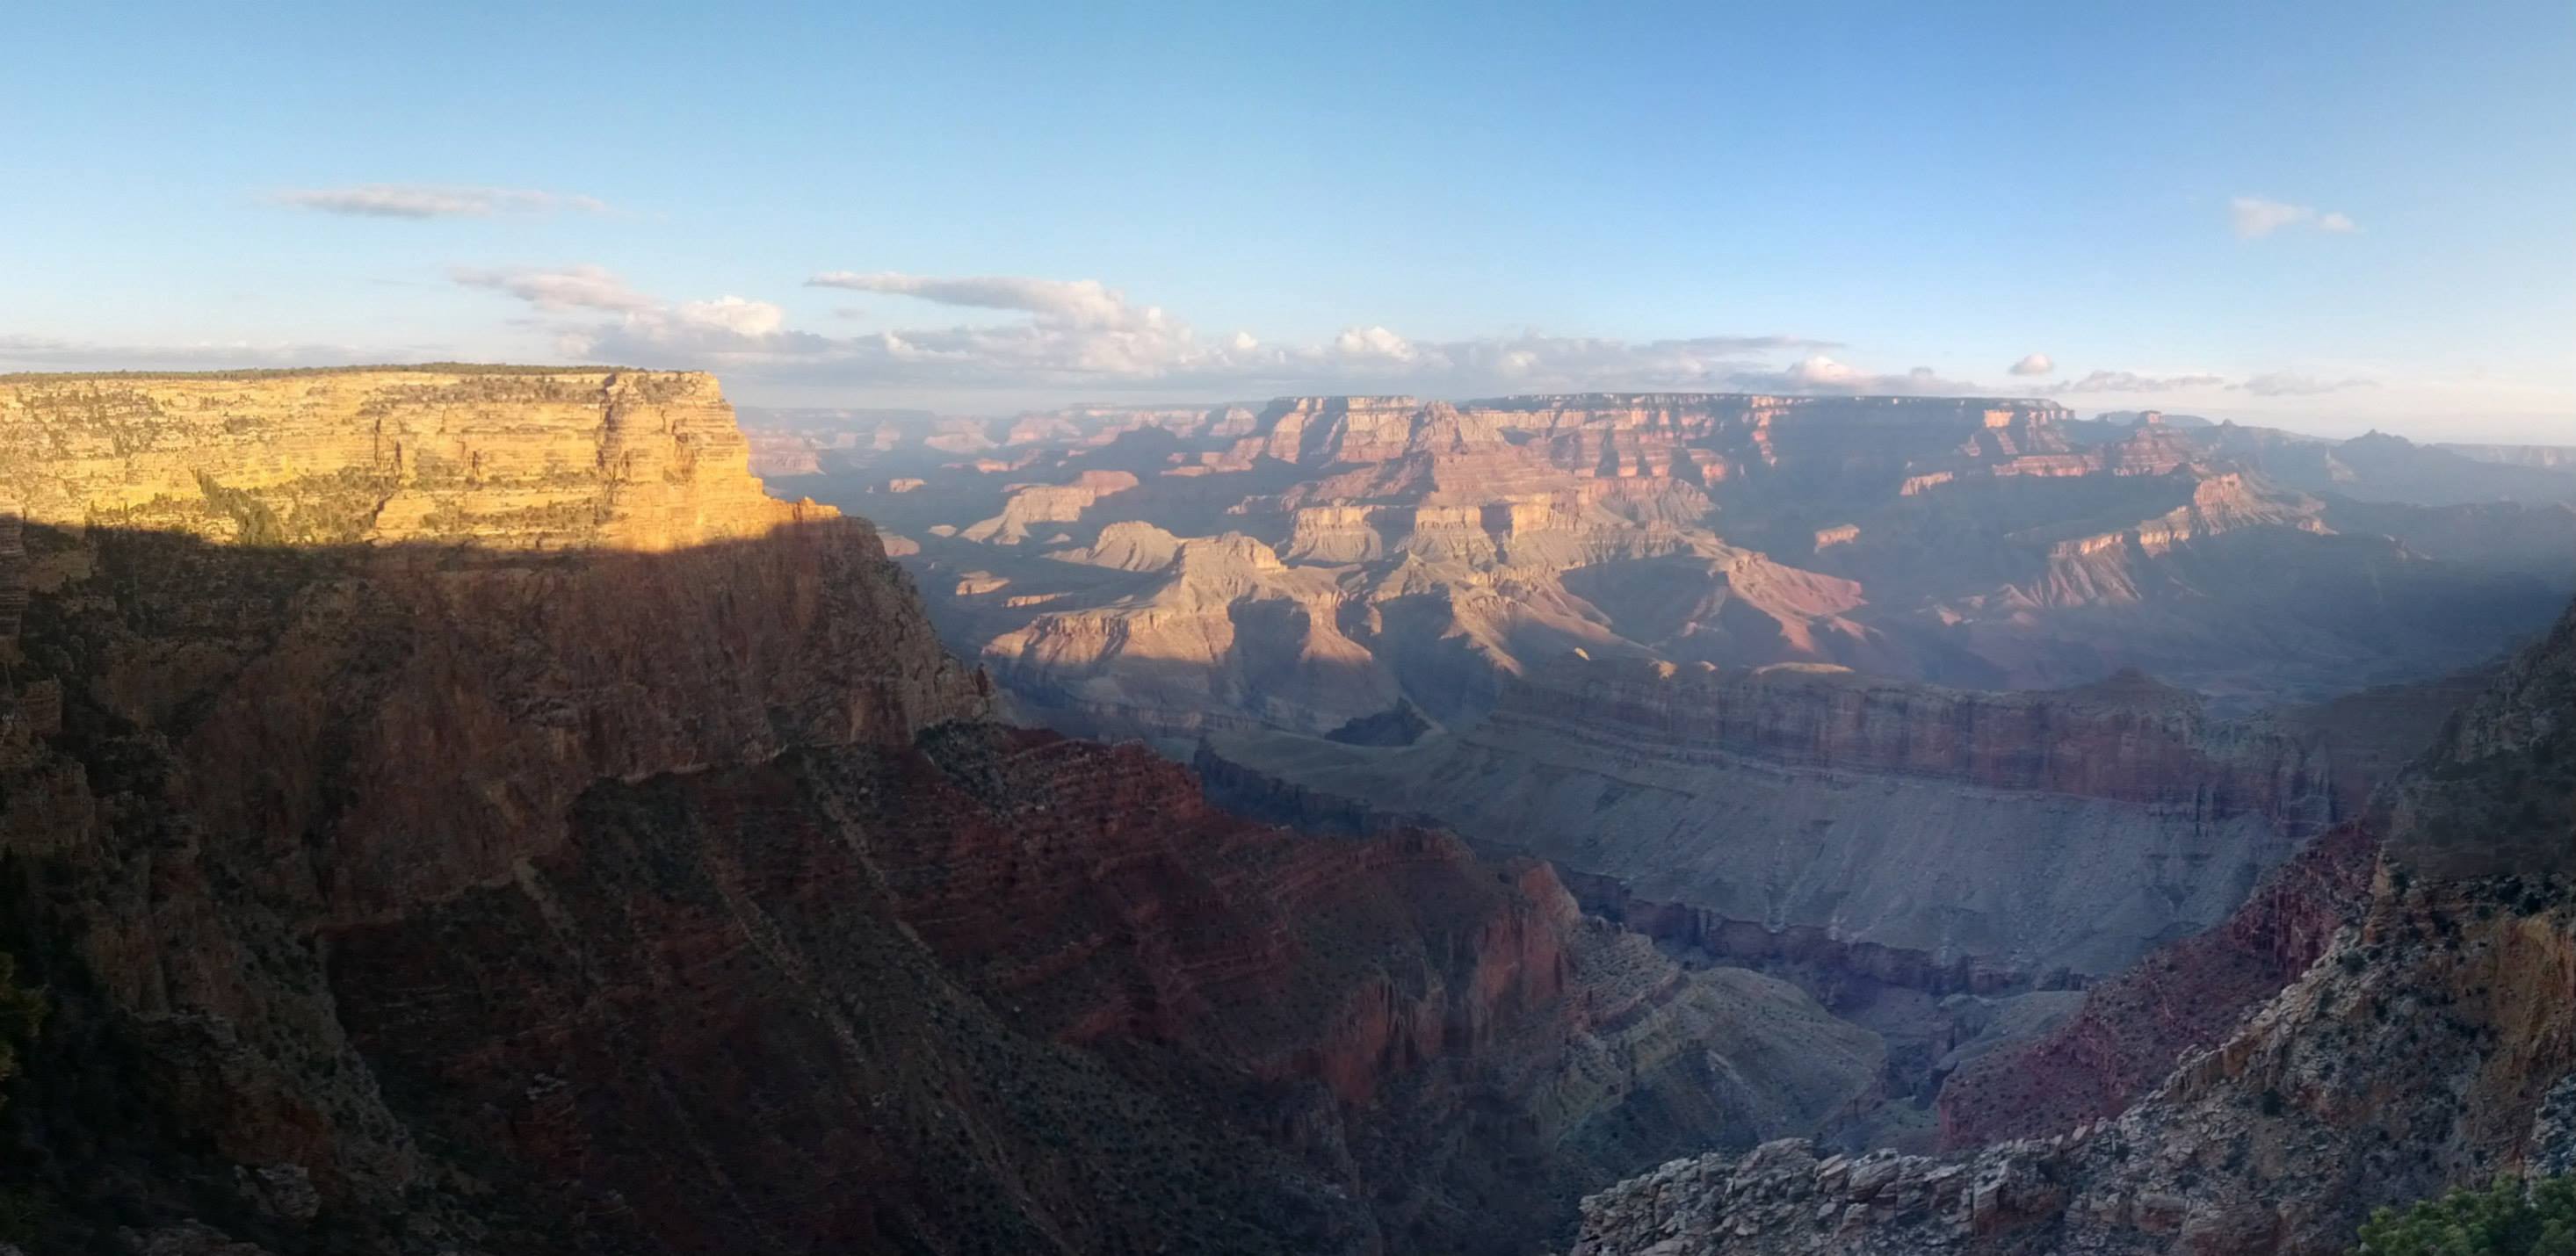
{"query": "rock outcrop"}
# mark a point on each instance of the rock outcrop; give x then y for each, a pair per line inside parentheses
(513, 459)
(2431, 1046)
(2133, 1028)
(458, 811)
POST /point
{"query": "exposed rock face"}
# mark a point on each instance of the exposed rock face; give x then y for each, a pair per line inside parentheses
(580, 851)
(631, 461)
(2430, 1047)
(1987, 836)
(2497, 795)
(2133, 1028)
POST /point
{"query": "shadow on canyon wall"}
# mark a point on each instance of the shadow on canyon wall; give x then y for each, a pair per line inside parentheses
(422, 898)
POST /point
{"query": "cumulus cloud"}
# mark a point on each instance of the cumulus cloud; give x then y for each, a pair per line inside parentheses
(2033, 364)
(735, 315)
(423, 200)
(2254, 217)
(2293, 384)
(2131, 381)
(1356, 343)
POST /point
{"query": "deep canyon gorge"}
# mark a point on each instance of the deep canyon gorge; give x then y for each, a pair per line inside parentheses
(466, 810)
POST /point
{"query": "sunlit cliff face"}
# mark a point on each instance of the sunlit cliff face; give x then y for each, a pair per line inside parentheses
(516, 460)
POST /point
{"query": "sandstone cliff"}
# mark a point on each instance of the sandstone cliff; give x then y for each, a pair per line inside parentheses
(519, 459)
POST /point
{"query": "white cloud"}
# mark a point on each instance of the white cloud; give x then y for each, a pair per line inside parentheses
(2254, 217)
(1819, 371)
(1373, 342)
(567, 288)
(1084, 334)
(2033, 364)
(2131, 381)
(420, 200)
(733, 314)
(2293, 384)
(1075, 303)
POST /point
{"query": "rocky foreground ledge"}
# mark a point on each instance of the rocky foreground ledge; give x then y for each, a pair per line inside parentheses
(1789, 1196)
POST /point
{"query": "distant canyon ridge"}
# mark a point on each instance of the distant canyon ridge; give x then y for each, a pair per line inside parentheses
(1315, 561)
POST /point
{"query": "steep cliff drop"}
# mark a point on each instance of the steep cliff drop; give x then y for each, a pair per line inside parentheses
(2431, 1045)
(455, 810)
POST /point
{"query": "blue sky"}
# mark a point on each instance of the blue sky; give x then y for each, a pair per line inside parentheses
(2330, 216)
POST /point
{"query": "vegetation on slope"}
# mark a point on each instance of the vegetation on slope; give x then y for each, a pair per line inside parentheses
(2508, 1218)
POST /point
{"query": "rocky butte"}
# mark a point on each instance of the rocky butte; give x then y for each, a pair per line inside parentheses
(456, 810)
